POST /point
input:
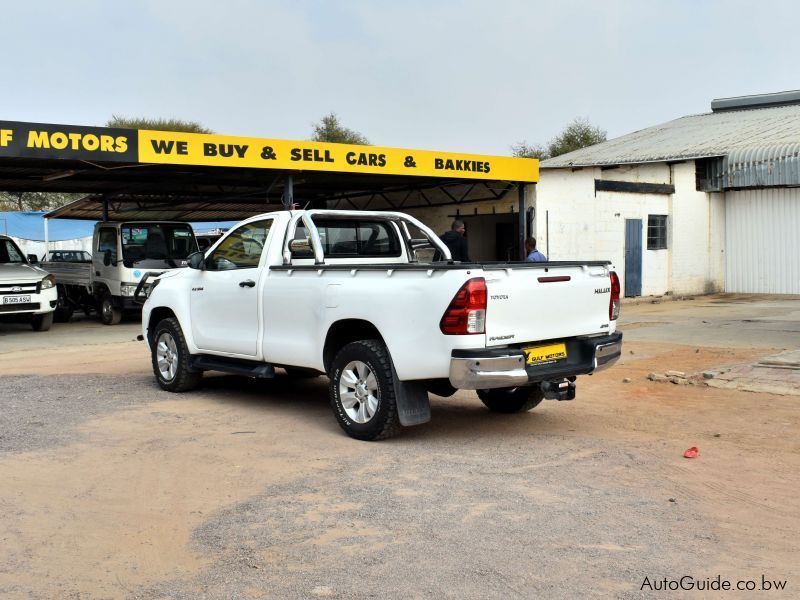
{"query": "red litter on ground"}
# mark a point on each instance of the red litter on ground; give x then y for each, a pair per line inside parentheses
(691, 452)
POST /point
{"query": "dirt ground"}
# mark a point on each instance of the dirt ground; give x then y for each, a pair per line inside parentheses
(112, 488)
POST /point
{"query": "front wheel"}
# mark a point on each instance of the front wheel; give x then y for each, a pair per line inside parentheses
(170, 357)
(109, 314)
(362, 391)
(512, 400)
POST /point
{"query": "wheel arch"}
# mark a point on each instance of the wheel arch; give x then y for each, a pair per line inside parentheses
(157, 315)
(342, 332)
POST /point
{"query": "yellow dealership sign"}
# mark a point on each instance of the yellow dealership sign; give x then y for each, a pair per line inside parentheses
(225, 151)
(101, 144)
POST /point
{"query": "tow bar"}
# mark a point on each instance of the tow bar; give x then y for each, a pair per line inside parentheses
(558, 389)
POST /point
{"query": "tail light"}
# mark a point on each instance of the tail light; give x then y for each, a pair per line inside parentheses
(613, 305)
(466, 314)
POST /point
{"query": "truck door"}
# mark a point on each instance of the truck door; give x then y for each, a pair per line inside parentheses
(105, 257)
(225, 297)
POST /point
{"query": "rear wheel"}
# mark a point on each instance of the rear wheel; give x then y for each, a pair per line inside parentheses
(512, 400)
(170, 358)
(42, 322)
(109, 314)
(362, 391)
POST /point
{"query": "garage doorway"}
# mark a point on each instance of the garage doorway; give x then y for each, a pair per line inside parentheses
(761, 238)
(492, 237)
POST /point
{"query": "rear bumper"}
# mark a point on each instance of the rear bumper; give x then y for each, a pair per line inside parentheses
(505, 367)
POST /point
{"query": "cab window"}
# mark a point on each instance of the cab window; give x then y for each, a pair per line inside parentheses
(107, 240)
(241, 249)
(9, 252)
(343, 238)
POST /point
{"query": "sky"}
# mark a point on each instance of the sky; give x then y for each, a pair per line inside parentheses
(469, 76)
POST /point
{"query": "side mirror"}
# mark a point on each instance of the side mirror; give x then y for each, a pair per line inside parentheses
(196, 260)
(107, 258)
(301, 248)
(33, 259)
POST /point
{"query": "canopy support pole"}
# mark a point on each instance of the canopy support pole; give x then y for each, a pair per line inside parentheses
(46, 237)
(521, 217)
(288, 192)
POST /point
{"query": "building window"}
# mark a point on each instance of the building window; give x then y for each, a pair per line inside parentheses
(656, 232)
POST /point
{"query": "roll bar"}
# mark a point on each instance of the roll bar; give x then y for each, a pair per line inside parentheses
(316, 243)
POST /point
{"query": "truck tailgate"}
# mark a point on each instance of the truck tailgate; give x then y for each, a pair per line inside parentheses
(544, 301)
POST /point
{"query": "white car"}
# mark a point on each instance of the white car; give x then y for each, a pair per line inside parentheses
(26, 291)
(345, 293)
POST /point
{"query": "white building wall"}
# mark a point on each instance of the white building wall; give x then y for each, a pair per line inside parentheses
(691, 235)
(575, 223)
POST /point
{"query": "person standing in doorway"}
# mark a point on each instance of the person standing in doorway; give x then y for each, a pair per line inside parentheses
(456, 242)
(533, 254)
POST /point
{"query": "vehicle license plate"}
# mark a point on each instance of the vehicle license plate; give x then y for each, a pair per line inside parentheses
(541, 355)
(16, 299)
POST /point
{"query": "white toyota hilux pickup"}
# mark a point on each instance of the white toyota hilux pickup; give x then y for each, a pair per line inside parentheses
(347, 294)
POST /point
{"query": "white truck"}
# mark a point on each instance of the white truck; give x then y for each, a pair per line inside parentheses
(121, 254)
(344, 293)
(26, 291)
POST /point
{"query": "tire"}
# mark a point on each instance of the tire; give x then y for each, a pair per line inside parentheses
(42, 322)
(109, 314)
(301, 373)
(64, 309)
(512, 400)
(362, 372)
(170, 358)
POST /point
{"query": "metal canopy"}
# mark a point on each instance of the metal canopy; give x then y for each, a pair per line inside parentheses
(138, 174)
(231, 202)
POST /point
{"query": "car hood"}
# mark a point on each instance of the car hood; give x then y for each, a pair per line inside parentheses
(20, 272)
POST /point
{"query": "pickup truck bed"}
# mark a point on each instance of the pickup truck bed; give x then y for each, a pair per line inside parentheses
(385, 331)
(70, 273)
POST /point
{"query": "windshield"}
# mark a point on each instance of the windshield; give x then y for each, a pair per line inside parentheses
(9, 253)
(168, 242)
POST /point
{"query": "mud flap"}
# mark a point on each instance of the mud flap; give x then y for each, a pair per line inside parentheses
(413, 406)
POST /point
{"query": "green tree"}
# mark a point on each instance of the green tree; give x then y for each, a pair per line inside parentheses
(35, 200)
(156, 124)
(329, 129)
(525, 150)
(578, 134)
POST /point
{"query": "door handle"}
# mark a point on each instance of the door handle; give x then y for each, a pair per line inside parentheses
(247, 283)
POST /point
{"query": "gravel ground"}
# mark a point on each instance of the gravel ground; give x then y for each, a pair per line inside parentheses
(548, 518)
(38, 412)
(113, 488)
(421, 516)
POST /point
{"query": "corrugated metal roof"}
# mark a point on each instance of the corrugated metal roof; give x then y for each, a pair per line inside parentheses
(762, 166)
(695, 136)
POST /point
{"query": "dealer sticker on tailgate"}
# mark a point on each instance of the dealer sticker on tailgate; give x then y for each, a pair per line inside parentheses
(542, 355)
